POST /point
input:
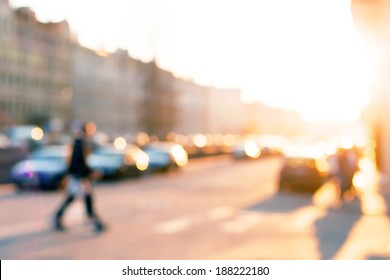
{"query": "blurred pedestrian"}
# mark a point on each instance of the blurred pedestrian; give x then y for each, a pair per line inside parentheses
(78, 181)
(333, 161)
(347, 165)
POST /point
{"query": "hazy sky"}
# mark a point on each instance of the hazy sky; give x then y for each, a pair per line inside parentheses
(303, 54)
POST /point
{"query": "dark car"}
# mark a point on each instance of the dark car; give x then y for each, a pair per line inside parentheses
(112, 162)
(44, 169)
(304, 172)
(165, 155)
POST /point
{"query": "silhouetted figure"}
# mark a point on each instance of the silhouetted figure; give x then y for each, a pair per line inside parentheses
(78, 182)
(347, 162)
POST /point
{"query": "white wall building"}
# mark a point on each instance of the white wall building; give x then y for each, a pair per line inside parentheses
(107, 90)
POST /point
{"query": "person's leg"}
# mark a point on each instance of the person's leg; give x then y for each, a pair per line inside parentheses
(342, 184)
(60, 212)
(99, 226)
(89, 206)
(349, 192)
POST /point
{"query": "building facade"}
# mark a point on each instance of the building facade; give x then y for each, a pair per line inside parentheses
(34, 72)
(160, 109)
(107, 89)
(193, 103)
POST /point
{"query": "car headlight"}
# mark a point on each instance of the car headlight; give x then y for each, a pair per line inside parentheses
(141, 161)
(180, 155)
(251, 149)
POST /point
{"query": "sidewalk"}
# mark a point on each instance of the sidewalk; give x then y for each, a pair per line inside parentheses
(374, 196)
(369, 196)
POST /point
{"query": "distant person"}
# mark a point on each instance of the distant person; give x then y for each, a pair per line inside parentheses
(333, 161)
(347, 165)
(78, 182)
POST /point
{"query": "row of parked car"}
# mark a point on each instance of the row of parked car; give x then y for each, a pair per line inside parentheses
(303, 167)
(252, 149)
(45, 168)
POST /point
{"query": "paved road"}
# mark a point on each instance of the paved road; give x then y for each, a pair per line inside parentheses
(213, 209)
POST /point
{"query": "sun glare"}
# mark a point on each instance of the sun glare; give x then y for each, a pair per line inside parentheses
(306, 57)
(317, 66)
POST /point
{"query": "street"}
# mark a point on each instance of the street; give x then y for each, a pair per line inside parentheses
(215, 208)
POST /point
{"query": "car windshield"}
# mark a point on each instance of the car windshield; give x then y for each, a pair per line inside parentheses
(107, 155)
(161, 146)
(157, 150)
(52, 153)
(108, 152)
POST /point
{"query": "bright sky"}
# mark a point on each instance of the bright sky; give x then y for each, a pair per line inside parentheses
(304, 54)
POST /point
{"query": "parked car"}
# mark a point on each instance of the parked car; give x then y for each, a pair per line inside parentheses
(165, 155)
(25, 136)
(112, 162)
(44, 169)
(303, 172)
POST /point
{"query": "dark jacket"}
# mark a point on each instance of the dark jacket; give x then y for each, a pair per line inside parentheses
(78, 165)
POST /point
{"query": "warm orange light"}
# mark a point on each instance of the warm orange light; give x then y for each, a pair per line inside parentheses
(90, 128)
(229, 140)
(200, 141)
(142, 139)
(141, 160)
(181, 140)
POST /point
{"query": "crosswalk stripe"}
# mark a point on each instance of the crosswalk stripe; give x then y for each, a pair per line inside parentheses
(221, 212)
(238, 221)
(306, 216)
(22, 228)
(74, 215)
(242, 223)
(177, 225)
(184, 222)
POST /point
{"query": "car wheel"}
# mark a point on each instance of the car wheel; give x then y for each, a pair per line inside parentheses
(55, 185)
(20, 188)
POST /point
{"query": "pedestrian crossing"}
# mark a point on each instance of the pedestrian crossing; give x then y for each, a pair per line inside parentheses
(233, 220)
(305, 217)
(21, 228)
(242, 223)
(74, 216)
(223, 218)
(179, 224)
